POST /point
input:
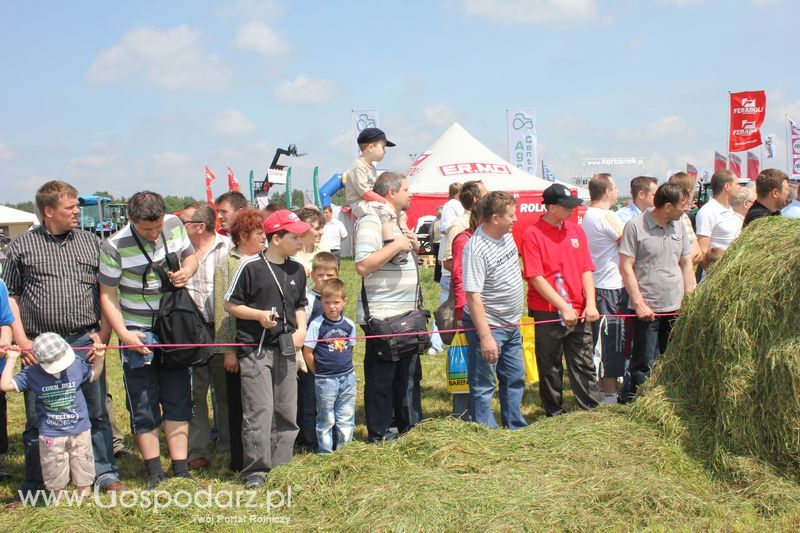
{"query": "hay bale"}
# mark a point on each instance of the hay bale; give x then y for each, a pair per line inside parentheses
(732, 370)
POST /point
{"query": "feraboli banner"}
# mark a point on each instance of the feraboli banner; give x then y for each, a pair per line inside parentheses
(748, 110)
(522, 139)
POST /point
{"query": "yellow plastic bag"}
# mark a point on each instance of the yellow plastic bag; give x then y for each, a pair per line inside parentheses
(528, 332)
(456, 367)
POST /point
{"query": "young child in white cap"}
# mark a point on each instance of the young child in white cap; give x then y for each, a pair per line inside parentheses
(65, 441)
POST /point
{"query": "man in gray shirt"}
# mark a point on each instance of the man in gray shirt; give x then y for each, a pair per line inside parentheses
(494, 291)
(656, 267)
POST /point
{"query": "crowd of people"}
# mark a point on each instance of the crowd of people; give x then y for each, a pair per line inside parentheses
(266, 284)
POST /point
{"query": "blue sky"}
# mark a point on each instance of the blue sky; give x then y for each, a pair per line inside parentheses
(126, 96)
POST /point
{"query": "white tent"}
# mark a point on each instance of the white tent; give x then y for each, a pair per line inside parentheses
(458, 156)
(14, 222)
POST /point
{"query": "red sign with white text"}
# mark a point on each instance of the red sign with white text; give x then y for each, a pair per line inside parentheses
(748, 110)
(474, 168)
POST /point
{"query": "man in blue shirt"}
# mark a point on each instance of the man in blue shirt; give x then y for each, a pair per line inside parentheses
(643, 190)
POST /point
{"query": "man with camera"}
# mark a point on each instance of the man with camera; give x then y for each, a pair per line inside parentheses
(391, 385)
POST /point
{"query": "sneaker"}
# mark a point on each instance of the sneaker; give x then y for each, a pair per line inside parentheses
(432, 351)
(253, 482)
(610, 398)
(155, 481)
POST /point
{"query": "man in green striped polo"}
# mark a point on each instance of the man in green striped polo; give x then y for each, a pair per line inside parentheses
(130, 304)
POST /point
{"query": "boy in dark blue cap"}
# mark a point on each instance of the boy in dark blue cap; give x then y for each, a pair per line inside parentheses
(361, 177)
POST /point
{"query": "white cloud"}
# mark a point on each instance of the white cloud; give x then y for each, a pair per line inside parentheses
(234, 122)
(169, 160)
(533, 11)
(440, 115)
(169, 59)
(252, 9)
(667, 128)
(343, 142)
(305, 90)
(256, 36)
(5, 152)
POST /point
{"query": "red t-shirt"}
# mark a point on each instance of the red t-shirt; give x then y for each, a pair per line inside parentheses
(457, 271)
(548, 250)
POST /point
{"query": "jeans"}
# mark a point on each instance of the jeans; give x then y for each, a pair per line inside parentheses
(510, 370)
(336, 405)
(392, 394)
(649, 341)
(102, 442)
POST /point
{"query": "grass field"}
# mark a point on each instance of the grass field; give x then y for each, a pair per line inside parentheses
(612, 469)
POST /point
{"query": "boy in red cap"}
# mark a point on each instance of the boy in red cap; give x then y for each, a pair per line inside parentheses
(268, 298)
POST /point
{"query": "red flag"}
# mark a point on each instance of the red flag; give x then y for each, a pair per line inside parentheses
(209, 178)
(735, 165)
(233, 185)
(692, 171)
(753, 166)
(720, 162)
(748, 110)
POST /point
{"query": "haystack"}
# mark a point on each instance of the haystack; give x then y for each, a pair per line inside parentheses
(731, 374)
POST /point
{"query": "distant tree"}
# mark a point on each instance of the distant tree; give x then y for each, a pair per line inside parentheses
(298, 198)
(104, 193)
(23, 206)
(339, 198)
(177, 203)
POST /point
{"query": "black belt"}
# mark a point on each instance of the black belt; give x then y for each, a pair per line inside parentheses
(82, 331)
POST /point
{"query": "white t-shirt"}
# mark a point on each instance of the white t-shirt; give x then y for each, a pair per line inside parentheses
(332, 234)
(603, 229)
(719, 223)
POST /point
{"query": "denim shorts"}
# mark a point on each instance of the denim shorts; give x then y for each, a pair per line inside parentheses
(153, 394)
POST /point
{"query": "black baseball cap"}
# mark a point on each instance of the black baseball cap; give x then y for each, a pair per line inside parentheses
(558, 194)
(371, 135)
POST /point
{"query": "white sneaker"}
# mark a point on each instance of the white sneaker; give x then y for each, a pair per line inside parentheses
(609, 398)
(432, 351)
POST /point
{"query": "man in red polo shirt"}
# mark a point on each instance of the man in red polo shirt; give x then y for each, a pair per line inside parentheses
(552, 247)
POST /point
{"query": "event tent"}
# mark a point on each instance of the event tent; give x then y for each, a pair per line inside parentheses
(458, 156)
(15, 222)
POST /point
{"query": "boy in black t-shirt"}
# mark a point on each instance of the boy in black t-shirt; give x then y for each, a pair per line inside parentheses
(268, 298)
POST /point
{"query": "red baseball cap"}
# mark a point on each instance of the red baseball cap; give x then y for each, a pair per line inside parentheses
(285, 219)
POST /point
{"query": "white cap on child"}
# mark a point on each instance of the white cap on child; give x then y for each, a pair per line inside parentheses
(53, 352)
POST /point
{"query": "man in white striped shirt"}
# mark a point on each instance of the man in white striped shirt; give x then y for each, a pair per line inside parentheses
(494, 290)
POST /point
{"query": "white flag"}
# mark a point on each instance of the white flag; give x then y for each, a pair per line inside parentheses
(363, 119)
(522, 139)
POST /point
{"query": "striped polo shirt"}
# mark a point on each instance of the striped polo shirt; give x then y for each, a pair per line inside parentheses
(491, 268)
(122, 265)
(392, 289)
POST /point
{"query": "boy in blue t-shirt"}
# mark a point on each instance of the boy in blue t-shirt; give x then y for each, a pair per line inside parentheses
(6, 319)
(65, 441)
(328, 351)
(323, 267)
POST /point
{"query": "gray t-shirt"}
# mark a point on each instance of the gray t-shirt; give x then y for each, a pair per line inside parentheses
(656, 251)
(491, 267)
(392, 289)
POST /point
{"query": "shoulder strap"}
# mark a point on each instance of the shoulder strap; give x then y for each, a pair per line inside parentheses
(364, 303)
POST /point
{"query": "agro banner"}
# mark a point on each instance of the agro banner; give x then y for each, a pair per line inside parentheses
(794, 146)
(735, 165)
(768, 150)
(692, 171)
(748, 110)
(720, 162)
(753, 166)
(363, 119)
(522, 139)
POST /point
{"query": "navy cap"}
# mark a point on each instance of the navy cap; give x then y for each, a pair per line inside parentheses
(371, 135)
(558, 194)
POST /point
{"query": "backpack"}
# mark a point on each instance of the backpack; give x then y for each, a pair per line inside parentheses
(178, 320)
